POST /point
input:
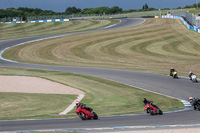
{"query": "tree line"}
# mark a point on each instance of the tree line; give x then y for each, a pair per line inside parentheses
(25, 12)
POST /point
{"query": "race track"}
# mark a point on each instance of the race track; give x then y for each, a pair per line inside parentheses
(179, 88)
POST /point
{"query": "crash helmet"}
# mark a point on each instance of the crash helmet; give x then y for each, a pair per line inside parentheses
(172, 68)
(190, 72)
(144, 100)
(190, 98)
(77, 103)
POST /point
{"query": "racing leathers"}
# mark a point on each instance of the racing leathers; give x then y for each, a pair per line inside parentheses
(83, 106)
(172, 70)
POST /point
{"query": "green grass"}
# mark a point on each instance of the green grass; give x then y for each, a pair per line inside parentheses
(104, 96)
(11, 31)
(190, 10)
(154, 46)
(193, 10)
(28, 106)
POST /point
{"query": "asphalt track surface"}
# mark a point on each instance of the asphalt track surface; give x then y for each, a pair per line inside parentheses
(180, 88)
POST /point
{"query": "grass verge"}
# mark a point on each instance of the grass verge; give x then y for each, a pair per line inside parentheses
(106, 97)
(154, 46)
(31, 106)
(11, 31)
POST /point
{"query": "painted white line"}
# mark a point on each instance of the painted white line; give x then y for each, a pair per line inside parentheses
(2, 51)
(111, 25)
(108, 128)
(72, 105)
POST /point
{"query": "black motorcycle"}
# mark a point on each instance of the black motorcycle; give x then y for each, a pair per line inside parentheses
(195, 102)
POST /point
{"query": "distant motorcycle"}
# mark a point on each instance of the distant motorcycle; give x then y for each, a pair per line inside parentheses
(86, 114)
(175, 74)
(193, 78)
(195, 102)
(152, 109)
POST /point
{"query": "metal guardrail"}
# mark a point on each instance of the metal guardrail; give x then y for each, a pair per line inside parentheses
(87, 16)
(96, 16)
(191, 19)
(11, 19)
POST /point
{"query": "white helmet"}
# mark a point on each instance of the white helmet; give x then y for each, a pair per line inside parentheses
(190, 72)
(77, 103)
(190, 98)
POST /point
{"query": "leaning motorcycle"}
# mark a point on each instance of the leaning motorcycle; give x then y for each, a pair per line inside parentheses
(195, 102)
(175, 74)
(152, 109)
(193, 78)
(86, 114)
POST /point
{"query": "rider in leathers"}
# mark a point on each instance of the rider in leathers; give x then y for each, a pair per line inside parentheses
(190, 75)
(145, 101)
(194, 102)
(83, 106)
(172, 70)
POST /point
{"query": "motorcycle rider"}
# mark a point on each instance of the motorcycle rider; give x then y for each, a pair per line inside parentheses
(83, 106)
(145, 101)
(194, 101)
(172, 70)
(190, 75)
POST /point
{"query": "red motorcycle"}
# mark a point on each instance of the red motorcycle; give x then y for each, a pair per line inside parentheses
(86, 114)
(152, 109)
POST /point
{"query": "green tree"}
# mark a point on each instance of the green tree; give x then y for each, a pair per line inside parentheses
(102, 10)
(144, 7)
(116, 9)
(72, 10)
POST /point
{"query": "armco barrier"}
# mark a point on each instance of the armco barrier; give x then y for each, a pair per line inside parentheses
(52, 20)
(17, 22)
(184, 22)
(38, 21)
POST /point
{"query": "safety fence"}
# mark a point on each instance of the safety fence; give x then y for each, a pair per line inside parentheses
(51, 20)
(96, 16)
(185, 22)
(191, 19)
(11, 20)
(56, 18)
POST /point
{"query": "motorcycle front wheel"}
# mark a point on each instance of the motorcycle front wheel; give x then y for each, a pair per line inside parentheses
(95, 116)
(151, 112)
(198, 107)
(160, 112)
(82, 116)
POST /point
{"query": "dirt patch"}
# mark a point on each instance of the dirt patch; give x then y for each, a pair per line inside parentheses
(25, 84)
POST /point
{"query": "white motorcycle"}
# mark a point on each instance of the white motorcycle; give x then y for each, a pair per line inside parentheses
(193, 78)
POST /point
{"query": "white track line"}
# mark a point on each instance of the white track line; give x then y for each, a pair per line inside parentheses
(72, 105)
(108, 128)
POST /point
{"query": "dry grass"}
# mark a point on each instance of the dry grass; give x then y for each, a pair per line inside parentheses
(154, 47)
(10, 31)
